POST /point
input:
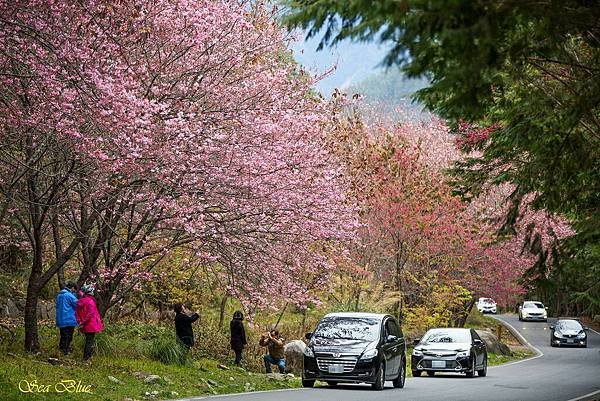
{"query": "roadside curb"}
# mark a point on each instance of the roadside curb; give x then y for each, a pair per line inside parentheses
(522, 340)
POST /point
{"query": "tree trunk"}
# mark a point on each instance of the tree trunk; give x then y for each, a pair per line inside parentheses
(222, 310)
(357, 300)
(462, 320)
(61, 277)
(32, 341)
(304, 320)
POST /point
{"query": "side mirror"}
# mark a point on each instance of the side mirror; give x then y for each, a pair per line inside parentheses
(416, 341)
(546, 307)
(552, 327)
(308, 336)
(520, 306)
(477, 342)
(391, 339)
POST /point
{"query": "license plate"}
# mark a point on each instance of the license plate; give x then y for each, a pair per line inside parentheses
(336, 369)
(570, 341)
(438, 364)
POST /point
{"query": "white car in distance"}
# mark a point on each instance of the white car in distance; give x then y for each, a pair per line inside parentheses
(486, 305)
(533, 310)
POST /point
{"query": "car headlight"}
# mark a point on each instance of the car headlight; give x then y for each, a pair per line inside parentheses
(581, 335)
(309, 352)
(463, 353)
(557, 334)
(417, 352)
(369, 354)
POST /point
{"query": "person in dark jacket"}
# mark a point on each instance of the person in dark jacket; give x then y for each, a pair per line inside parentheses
(183, 325)
(66, 303)
(238, 335)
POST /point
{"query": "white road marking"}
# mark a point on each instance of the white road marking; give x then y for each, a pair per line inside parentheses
(238, 394)
(592, 330)
(583, 397)
(523, 340)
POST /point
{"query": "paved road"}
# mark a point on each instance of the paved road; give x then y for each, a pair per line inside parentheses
(555, 374)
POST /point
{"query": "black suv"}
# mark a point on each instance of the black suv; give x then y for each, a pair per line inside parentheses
(355, 348)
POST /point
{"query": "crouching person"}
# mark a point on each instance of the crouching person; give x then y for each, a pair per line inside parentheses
(275, 350)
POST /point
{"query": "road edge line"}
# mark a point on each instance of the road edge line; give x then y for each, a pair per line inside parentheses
(522, 340)
(583, 397)
(206, 397)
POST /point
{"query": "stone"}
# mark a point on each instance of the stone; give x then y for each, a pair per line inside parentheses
(276, 376)
(115, 380)
(248, 387)
(211, 382)
(54, 361)
(294, 356)
(290, 375)
(231, 378)
(150, 379)
(11, 309)
(221, 366)
(174, 393)
(492, 343)
(139, 375)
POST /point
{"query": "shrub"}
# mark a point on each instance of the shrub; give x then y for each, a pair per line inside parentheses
(168, 350)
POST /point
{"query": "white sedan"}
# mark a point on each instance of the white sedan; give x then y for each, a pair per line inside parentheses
(486, 305)
(533, 310)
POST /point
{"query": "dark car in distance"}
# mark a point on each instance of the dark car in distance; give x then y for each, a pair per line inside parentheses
(568, 332)
(450, 350)
(355, 348)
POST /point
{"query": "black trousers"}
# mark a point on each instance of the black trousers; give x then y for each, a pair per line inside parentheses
(66, 336)
(238, 356)
(88, 349)
(187, 341)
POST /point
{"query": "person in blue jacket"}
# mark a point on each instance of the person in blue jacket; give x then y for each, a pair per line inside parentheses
(66, 302)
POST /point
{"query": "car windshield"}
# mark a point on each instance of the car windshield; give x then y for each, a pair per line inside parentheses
(486, 301)
(447, 336)
(350, 328)
(569, 325)
(534, 305)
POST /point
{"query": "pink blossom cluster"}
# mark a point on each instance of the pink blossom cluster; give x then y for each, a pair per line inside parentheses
(191, 123)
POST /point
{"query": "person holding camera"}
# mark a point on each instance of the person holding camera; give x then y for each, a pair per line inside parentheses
(275, 350)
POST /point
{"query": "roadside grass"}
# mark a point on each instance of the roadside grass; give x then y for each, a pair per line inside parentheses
(130, 351)
(122, 354)
(517, 355)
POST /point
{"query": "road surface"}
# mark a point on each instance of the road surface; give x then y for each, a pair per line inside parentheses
(554, 374)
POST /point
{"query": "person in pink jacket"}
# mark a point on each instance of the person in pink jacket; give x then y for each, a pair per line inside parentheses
(88, 318)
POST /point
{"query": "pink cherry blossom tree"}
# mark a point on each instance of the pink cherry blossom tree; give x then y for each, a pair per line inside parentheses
(186, 123)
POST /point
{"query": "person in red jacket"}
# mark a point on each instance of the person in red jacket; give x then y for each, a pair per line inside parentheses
(88, 318)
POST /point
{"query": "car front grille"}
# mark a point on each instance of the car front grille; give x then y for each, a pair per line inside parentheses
(426, 363)
(348, 362)
(534, 314)
(439, 354)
